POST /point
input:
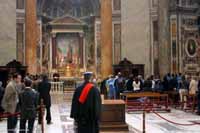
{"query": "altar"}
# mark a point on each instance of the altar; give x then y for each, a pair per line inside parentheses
(113, 116)
(67, 46)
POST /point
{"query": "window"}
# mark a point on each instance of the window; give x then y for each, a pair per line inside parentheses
(174, 29)
(183, 2)
(174, 49)
(191, 2)
(20, 4)
(188, 2)
(198, 22)
(155, 30)
(116, 5)
(177, 2)
(55, 12)
(154, 3)
(20, 42)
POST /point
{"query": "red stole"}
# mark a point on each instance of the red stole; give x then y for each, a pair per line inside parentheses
(85, 92)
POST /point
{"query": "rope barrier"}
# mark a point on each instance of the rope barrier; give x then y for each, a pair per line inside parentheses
(191, 124)
(147, 109)
(40, 109)
(5, 115)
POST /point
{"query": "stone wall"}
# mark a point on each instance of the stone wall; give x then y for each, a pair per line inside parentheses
(7, 31)
(136, 32)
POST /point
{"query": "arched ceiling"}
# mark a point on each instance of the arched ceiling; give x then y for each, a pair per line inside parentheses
(77, 8)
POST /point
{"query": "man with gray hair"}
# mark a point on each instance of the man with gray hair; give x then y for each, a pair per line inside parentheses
(10, 103)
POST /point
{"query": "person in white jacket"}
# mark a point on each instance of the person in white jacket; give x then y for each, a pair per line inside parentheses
(193, 86)
(136, 85)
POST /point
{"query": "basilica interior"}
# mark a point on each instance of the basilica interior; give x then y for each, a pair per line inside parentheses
(144, 56)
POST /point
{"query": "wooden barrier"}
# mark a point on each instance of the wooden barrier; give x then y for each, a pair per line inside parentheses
(145, 100)
(113, 116)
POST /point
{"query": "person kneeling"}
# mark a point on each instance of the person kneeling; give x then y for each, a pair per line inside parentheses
(28, 101)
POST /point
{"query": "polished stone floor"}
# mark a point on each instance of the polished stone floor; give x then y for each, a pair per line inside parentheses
(63, 124)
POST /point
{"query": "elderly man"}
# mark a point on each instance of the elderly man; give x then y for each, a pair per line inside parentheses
(10, 102)
(86, 106)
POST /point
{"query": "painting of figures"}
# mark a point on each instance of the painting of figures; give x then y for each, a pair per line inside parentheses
(67, 49)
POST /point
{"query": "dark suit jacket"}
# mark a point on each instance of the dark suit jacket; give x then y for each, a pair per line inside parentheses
(44, 88)
(28, 101)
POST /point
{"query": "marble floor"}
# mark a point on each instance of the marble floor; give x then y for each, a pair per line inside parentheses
(60, 111)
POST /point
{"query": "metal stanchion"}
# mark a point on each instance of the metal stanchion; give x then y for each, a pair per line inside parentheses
(42, 115)
(143, 116)
(143, 123)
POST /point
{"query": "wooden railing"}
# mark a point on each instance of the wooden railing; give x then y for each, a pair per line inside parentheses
(151, 100)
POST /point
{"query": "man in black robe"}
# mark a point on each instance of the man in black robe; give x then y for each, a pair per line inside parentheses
(86, 106)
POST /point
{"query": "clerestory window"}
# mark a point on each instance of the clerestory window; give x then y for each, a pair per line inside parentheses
(20, 4)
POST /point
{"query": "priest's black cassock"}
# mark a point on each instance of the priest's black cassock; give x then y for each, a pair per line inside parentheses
(86, 114)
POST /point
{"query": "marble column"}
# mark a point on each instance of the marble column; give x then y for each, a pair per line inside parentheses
(106, 38)
(81, 49)
(164, 37)
(54, 54)
(8, 45)
(31, 36)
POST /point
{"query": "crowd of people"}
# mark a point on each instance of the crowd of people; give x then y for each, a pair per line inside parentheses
(23, 96)
(183, 85)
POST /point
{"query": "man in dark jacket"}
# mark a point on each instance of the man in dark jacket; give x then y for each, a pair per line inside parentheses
(147, 85)
(119, 85)
(44, 88)
(1, 96)
(198, 99)
(103, 88)
(86, 106)
(129, 84)
(28, 101)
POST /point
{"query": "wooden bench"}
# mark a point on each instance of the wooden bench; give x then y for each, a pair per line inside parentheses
(151, 100)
